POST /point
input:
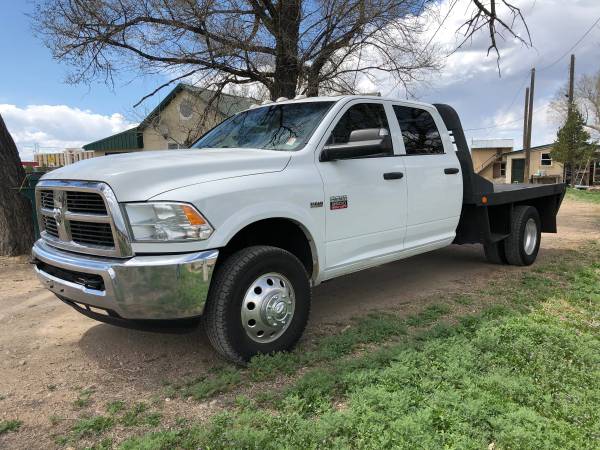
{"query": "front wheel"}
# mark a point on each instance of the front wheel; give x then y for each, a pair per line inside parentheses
(259, 302)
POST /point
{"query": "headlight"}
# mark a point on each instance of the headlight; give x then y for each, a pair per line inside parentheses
(166, 222)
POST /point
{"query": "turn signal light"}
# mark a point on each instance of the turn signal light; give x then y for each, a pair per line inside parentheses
(193, 216)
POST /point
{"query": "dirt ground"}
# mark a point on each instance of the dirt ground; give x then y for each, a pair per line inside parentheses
(49, 352)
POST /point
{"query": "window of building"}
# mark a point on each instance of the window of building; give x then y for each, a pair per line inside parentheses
(546, 159)
(359, 117)
(503, 169)
(174, 146)
(420, 134)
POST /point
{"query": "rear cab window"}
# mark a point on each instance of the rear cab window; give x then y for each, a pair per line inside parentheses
(420, 134)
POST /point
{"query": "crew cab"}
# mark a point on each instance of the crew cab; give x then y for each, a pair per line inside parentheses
(235, 231)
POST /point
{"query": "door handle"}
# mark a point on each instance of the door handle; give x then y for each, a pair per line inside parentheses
(392, 175)
(451, 171)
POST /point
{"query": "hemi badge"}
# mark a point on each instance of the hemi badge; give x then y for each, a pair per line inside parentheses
(316, 204)
(338, 202)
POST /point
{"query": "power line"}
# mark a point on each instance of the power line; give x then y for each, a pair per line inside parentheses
(502, 124)
(574, 46)
(440, 26)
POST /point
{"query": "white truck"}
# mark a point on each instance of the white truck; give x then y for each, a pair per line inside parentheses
(276, 199)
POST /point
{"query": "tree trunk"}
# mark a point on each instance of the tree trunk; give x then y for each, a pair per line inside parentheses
(312, 83)
(287, 69)
(16, 229)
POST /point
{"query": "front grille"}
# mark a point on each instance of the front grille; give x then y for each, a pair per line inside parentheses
(92, 233)
(82, 217)
(86, 203)
(47, 199)
(50, 226)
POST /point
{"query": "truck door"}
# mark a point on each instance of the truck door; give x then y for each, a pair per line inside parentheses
(433, 178)
(365, 197)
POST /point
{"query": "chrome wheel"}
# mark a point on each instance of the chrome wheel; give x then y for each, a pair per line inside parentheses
(268, 307)
(530, 236)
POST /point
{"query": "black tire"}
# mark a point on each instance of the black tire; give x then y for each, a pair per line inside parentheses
(515, 244)
(222, 316)
(495, 253)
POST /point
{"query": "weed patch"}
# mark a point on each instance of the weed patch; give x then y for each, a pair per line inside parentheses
(89, 426)
(83, 398)
(223, 381)
(9, 425)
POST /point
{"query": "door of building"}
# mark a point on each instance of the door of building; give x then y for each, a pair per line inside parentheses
(517, 174)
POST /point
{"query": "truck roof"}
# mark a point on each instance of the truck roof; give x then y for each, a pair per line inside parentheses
(337, 98)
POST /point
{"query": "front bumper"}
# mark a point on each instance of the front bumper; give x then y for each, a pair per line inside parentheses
(161, 287)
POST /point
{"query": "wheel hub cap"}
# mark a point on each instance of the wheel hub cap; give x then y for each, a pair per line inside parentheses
(268, 307)
(530, 237)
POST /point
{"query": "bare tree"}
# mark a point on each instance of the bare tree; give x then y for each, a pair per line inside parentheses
(16, 230)
(486, 15)
(587, 102)
(287, 46)
(588, 92)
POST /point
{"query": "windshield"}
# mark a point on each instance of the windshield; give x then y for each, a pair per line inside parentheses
(275, 127)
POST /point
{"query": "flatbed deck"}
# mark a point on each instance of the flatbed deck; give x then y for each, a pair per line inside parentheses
(487, 210)
(510, 193)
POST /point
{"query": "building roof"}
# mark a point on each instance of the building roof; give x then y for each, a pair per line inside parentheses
(132, 139)
(125, 140)
(534, 149)
(226, 104)
(481, 144)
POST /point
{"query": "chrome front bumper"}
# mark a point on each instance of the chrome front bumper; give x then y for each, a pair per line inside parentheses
(159, 287)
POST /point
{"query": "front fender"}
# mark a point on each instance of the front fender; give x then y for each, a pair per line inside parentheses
(232, 204)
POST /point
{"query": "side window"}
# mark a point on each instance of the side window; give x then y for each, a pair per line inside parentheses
(420, 134)
(546, 159)
(359, 117)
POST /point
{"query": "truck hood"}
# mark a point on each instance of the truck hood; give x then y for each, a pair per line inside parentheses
(142, 175)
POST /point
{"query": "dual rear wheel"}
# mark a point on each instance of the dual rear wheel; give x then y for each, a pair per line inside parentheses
(521, 247)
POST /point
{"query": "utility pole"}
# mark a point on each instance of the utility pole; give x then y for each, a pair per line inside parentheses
(571, 83)
(529, 124)
(525, 117)
(570, 105)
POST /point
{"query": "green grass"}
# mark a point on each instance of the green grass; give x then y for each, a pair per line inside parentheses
(138, 415)
(9, 425)
(83, 398)
(583, 196)
(371, 329)
(115, 407)
(523, 372)
(221, 380)
(92, 427)
(89, 426)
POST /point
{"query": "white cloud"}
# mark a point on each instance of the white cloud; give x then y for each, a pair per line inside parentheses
(470, 82)
(55, 127)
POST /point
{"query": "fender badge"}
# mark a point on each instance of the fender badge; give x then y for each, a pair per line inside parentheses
(316, 204)
(338, 202)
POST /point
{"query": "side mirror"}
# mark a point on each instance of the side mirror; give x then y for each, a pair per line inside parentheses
(361, 143)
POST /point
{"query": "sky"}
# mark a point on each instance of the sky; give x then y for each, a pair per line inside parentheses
(41, 109)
